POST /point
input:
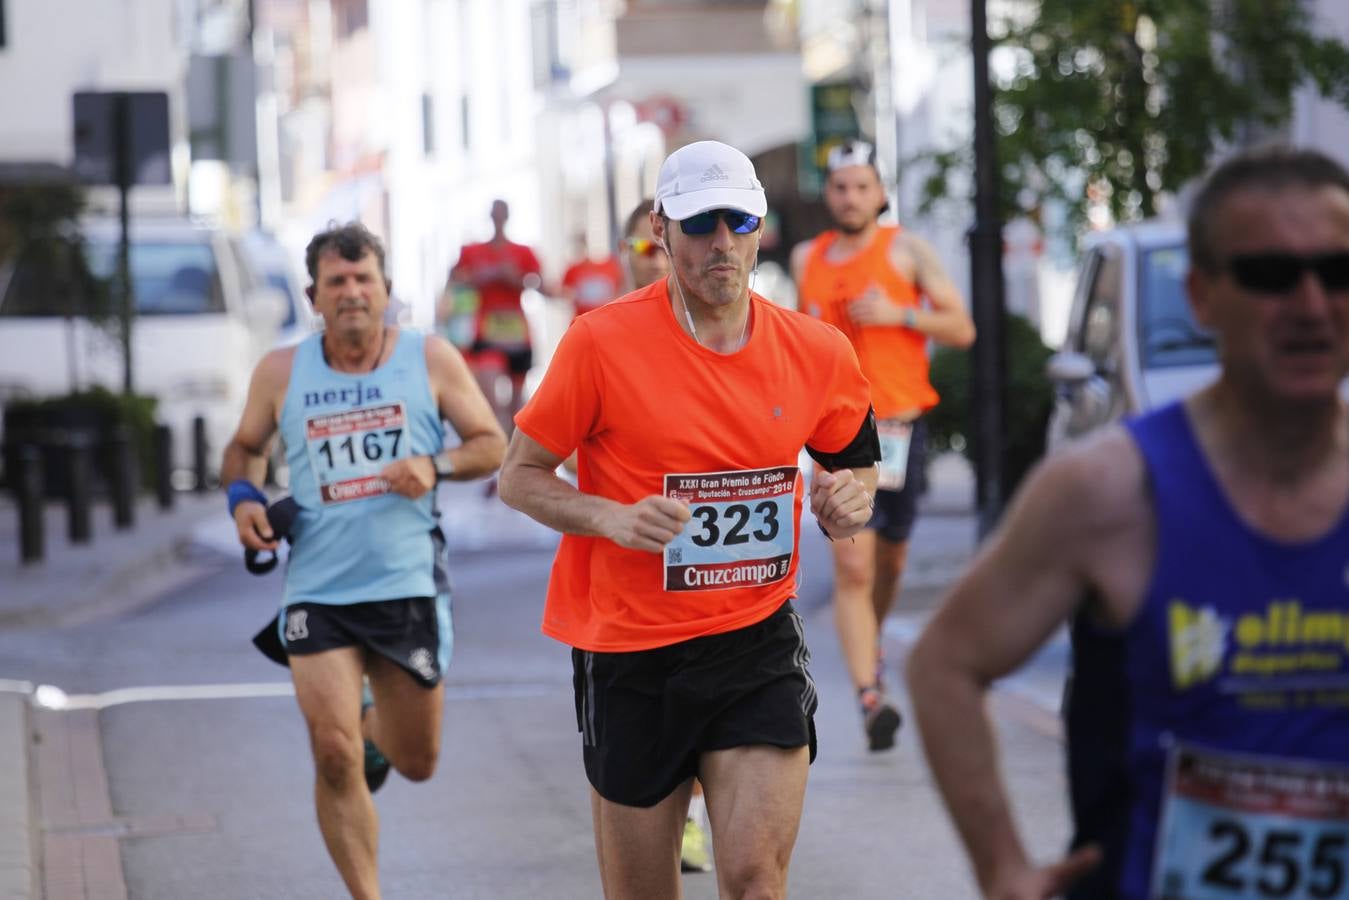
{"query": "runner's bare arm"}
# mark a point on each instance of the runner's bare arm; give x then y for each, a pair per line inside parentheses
(245, 455)
(798, 261)
(1031, 574)
(529, 483)
(945, 319)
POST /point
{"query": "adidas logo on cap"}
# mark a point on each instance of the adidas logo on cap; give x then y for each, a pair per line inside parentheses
(714, 173)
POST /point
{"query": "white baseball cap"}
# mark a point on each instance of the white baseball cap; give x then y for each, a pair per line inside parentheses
(708, 175)
(851, 153)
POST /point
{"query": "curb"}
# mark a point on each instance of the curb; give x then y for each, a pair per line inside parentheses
(18, 846)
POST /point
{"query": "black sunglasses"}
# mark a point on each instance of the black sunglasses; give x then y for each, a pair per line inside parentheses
(1278, 273)
(706, 222)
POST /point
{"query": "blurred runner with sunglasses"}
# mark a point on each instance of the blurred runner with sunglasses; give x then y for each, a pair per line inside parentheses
(870, 280)
(1199, 552)
(688, 402)
(644, 259)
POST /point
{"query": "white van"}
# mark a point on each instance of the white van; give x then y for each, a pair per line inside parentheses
(1132, 343)
(202, 323)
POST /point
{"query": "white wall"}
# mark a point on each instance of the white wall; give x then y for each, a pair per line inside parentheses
(754, 102)
(56, 48)
(1318, 122)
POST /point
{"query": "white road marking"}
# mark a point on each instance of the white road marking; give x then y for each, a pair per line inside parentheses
(52, 697)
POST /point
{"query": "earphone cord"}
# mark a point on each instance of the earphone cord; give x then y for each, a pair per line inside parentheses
(694, 331)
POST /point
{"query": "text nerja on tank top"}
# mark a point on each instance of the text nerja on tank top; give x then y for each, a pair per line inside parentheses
(894, 358)
(354, 540)
(1234, 682)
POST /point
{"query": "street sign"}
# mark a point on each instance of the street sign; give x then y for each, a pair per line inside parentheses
(222, 109)
(145, 124)
(833, 119)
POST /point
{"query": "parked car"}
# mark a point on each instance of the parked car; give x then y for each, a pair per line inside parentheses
(203, 319)
(269, 264)
(1132, 343)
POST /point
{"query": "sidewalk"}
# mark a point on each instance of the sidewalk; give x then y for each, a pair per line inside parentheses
(117, 571)
(74, 583)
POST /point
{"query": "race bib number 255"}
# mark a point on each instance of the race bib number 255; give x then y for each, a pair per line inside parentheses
(742, 532)
(1241, 828)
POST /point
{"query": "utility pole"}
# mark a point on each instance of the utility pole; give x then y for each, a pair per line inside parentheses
(125, 177)
(989, 363)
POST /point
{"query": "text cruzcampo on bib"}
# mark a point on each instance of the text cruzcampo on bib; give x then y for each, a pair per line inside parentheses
(742, 532)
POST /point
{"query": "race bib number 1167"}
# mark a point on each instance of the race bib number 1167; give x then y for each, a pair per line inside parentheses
(349, 449)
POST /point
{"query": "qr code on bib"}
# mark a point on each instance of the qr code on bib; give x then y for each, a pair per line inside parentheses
(676, 554)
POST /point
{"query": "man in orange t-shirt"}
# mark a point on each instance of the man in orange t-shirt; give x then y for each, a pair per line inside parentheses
(869, 280)
(687, 402)
(499, 270)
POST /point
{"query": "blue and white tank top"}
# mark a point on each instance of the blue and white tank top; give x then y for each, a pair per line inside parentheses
(354, 540)
(1209, 741)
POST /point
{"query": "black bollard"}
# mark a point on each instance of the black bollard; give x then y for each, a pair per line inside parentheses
(164, 466)
(123, 487)
(78, 487)
(199, 451)
(29, 494)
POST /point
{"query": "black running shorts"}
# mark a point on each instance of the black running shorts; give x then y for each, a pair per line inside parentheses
(519, 359)
(414, 633)
(646, 716)
(896, 511)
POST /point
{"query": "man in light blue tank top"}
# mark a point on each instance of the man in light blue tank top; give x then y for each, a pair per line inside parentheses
(1202, 552)
(360, 408)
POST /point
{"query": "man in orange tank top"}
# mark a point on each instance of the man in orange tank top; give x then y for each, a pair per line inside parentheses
(870, 281)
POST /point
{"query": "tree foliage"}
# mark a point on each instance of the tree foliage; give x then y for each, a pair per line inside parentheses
(1118, 101)
(40, 240)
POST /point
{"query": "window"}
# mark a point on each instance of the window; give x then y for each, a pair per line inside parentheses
(428, 125)
(169, 278)
(1099, 339)
(351, 15)
(1166, 328)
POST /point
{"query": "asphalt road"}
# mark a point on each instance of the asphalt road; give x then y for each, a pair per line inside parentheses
(205, 788)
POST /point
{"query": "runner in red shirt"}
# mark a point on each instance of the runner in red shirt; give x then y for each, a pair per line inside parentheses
(590, 283)
(687, 403)
(499, 270)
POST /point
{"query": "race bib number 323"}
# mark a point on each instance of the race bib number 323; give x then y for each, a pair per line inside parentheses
(349, 449)
(742, 532)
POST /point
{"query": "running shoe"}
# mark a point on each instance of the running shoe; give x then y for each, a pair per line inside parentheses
(376, 765)
(696, 853)
(879, 719)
